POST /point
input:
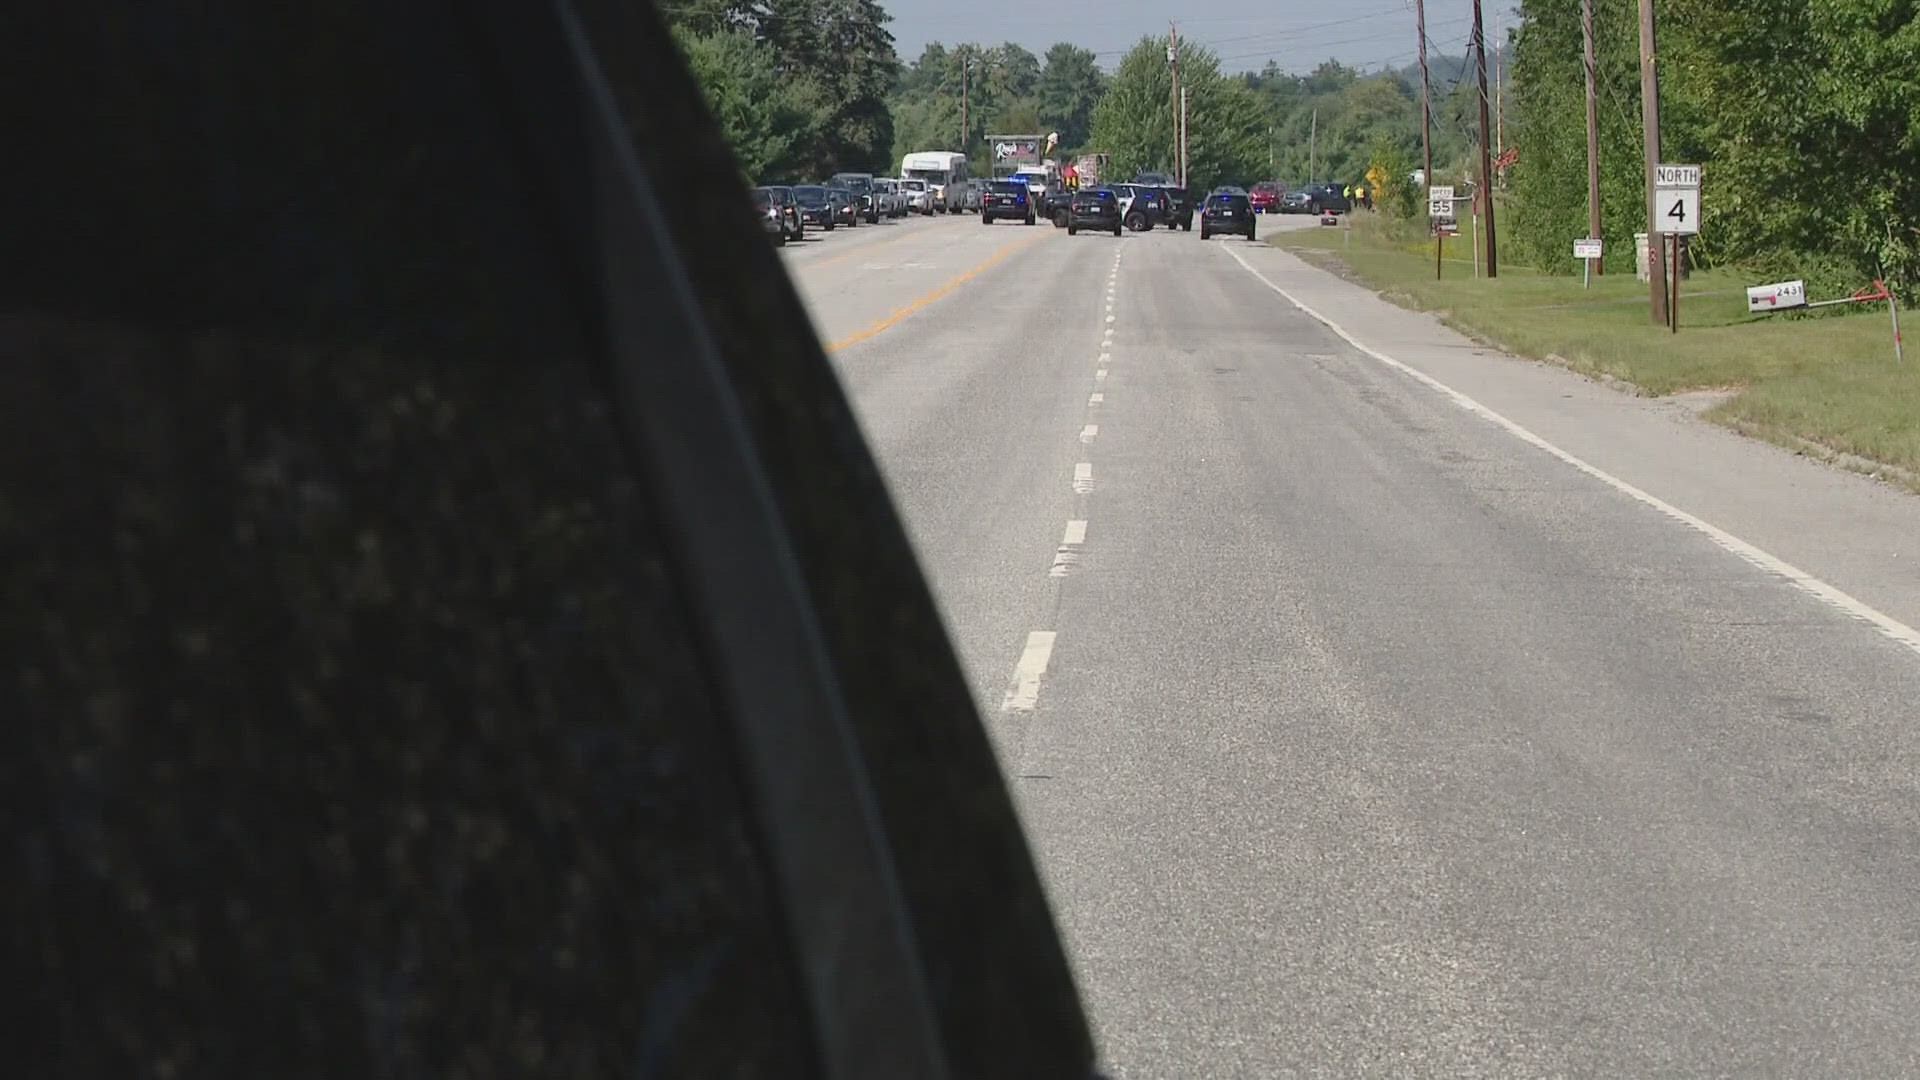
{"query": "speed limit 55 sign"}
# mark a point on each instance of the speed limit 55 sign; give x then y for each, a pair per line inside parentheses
(1676, 199)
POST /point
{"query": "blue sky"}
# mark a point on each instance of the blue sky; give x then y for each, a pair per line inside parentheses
(1296, 34)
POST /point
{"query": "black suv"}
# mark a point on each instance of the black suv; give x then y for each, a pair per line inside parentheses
(816, 207)
(1327, 198)
(1006, 199)
(1143, 205)
(1096, 209)
(866, 197)
(1180, 207)
(1227, 213)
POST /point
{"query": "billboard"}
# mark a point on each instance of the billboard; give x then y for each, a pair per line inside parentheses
(1012, 151)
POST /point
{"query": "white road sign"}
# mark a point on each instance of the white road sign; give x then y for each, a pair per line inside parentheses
(1676, 210)
(1440, 200)
(1777, 297)
(1676, 176)
(1586, 249)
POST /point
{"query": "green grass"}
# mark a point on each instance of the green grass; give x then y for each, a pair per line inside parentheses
(1825, 383)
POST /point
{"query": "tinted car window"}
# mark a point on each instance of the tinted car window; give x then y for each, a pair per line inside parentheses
(810, 196)
(1008, 187)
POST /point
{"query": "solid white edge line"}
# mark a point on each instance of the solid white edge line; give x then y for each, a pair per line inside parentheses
(1076, 533)
(1828, 594)
(1024, 694)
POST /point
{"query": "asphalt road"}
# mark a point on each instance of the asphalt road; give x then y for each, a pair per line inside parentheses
(1357, 735)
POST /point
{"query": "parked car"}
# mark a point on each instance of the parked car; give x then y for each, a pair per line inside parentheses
(1097, 209)
(1180, 208)
(1265, 197)
(1227, 212)
(777, 205)
(1142, 206)
(1296, 202)
(865, 197)
(817, 207)
(846, 205)
(1006, 199)
(896, 199)
(1327, 197)
(920, 198)
(770, 216)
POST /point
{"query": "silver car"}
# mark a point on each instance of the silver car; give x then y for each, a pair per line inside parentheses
(920, 199)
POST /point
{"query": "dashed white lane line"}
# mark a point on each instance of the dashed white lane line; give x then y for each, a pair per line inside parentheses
(1083, 478)
(1096, 399)
(1024, 694)
(1067, 555)
(1827, 594)
(1089, 433)
(1109, 318)
(1100, 374)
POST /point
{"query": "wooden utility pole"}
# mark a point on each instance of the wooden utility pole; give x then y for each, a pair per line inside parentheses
(1650, 122)
(1597, 266)
(1499, 120)
(1485, 194)
(1183, 137)
(1426, 122)
(1179, 136)
(1313, 142)
(966, 61)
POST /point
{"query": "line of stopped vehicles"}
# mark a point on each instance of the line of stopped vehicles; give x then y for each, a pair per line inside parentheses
(1150, 200)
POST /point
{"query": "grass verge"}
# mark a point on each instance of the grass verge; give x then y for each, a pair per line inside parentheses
(1824, 383)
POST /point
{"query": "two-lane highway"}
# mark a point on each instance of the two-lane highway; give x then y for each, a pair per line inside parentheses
(1355, 734)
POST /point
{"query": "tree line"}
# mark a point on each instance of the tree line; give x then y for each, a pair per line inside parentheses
(1800, 114)
(799, 87)
(805, 88)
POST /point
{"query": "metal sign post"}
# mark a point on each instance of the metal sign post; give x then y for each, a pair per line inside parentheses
(1588, 252)
(1439, 205)
(1676, 213)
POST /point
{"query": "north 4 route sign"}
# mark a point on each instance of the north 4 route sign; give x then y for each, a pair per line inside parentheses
(1676, 199)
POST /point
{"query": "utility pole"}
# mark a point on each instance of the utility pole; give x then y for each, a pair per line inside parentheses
(1597, 266)
(1183, 136)
(1650, 122)
(1179, 136)
(1313, 139)
(1485, 194)
(966, 61)
(1499, 118)
(1426, 122)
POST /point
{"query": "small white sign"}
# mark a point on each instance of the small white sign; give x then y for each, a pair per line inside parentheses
(1440, 200)
(1676, 176)
(1586, 249)
(1676, 210)
(1777, 297)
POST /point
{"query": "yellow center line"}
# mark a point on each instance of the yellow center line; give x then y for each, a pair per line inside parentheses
(936, 294)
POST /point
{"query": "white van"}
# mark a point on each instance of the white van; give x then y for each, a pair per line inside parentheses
(946, 175)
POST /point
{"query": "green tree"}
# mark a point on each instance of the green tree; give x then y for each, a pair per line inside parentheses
(1227, 121)
(1070, 86)
(768, 118)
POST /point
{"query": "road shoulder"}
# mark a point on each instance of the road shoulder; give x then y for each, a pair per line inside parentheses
(1859, 535)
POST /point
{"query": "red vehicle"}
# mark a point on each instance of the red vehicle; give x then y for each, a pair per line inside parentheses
(1266, 197)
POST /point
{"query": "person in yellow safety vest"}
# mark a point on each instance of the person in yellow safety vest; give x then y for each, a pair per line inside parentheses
(1348, 190)
(1360, 195)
